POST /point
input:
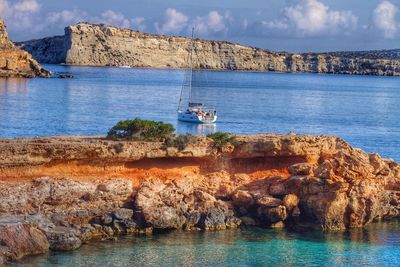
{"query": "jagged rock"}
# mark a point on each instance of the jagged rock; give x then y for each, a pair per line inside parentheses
(103, 45)
(279, 224)
(65, 76)
(290, 202)
(248, 221)
(123, 214)
(63, 239)
(300, 169)
(19, 239)
(214, 219)
(192, 220)
(272, 215)
(117, 186)
(174, 206)
(268, 202)
(233, 222)
(15, 62)
(243, 199)
(277, 189)
(107, 219)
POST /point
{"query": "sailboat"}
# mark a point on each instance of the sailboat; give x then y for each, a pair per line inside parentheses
(194, 112)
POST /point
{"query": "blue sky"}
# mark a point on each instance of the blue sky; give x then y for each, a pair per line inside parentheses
(291, 25)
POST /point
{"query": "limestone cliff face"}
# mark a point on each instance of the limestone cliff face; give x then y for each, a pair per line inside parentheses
(102, 45)
(15, 62)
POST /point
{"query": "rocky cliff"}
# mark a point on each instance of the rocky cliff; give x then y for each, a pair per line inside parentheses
(103, 45)
(15, 62)
(75, 189)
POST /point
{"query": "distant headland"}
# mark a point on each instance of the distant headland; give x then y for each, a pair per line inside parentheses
(104, 45)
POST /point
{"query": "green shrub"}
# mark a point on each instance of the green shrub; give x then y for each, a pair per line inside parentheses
(141, 130)
(181, 141)
(221, 139)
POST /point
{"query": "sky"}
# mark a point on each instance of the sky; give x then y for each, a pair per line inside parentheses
(282, 25)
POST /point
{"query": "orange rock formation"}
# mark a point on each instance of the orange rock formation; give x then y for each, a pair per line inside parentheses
(105, 188)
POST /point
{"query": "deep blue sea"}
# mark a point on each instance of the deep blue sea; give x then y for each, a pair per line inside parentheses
(363, 110)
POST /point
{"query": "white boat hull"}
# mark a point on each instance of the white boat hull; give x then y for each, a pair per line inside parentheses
(194, 118)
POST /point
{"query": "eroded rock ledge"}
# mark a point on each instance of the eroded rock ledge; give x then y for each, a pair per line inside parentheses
(60, 192)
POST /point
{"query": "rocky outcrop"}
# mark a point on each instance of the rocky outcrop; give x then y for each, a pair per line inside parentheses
(103, 45)
(75, 189)
(19, 238)
(15, 62)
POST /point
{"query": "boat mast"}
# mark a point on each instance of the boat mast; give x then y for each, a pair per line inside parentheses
(191, 67)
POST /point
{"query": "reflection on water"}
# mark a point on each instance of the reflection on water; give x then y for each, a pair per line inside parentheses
(13, 86)
(183, 127)
(377, 244)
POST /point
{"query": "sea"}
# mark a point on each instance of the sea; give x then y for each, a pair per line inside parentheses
(362, 110)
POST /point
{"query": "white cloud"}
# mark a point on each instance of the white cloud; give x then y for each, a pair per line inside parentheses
(385, 18)
(138, 23)
(27, 6)
(118, 19)
(4, 8)
(114, 18)
(175, 22)
(69, 17)
(312, 17)
(276, 24)
(212, 23)
(24, 16)
(65, 17)
(245, 23)
(19, 15)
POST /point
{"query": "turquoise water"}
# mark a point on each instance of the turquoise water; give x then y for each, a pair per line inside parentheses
(378, 244)
(364, 110)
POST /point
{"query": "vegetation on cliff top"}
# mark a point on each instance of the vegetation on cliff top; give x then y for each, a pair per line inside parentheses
(141, 130)
(158, 131)
(181, 141)
(222, 139)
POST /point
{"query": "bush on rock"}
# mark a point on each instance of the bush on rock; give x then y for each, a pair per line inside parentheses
(141, 130)
(222, 139)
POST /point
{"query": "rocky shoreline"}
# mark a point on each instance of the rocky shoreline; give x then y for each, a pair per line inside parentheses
(59, 192)
(87, 44)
